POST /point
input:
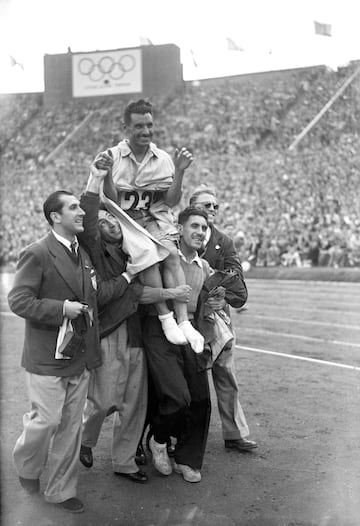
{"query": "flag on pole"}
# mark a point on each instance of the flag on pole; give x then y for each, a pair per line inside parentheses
(15, 62)
(232, 46)
(145, 41)
(193, 58)
(322, 29)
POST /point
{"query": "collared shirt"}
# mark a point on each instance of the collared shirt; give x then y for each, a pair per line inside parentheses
(196, 259)
(66, 244)
(195, 271)
(206, 241)
(141, 188)
(155, 172)
(207, 236)
(65, 241)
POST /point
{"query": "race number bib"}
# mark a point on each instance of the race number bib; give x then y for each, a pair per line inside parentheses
(136, 200)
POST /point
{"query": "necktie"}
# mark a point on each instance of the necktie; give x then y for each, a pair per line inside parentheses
(74, 248)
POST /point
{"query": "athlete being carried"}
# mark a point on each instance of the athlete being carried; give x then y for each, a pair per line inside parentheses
(146, 184)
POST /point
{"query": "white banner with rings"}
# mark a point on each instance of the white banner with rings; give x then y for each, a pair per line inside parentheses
(106, 73)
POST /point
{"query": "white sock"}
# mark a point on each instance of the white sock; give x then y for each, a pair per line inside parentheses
(171, 329)
(193, 336)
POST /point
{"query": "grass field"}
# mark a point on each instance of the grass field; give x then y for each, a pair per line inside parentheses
(298, 366)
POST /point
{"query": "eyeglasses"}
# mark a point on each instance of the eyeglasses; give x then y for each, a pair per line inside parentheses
(209, 205)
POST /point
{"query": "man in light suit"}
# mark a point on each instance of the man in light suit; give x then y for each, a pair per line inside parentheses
(55, 287)
(219, 251)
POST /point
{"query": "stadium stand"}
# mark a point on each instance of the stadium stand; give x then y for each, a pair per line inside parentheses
(282, 207)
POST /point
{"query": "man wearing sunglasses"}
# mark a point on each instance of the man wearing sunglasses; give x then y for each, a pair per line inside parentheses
(220, 252)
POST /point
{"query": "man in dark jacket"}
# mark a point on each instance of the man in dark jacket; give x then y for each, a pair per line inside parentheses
(220, 252)
(119, 386)
(55, 287)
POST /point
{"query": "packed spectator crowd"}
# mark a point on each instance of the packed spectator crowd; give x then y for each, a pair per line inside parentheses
(282, 207)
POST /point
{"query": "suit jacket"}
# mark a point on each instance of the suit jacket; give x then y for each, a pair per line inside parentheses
(45, 277)
(221, 254)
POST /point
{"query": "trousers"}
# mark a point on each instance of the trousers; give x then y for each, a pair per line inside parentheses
(53, 423)
(118, 387)
(183, 397)
(233, 421)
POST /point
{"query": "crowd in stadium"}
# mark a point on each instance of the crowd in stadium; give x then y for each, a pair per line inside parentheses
(285, 207)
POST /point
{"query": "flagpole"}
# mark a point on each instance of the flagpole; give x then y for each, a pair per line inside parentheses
(323, 110)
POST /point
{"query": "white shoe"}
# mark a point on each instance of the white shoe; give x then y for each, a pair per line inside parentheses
(172, 331)
(194, 338)
(160, 457)
(189, 474)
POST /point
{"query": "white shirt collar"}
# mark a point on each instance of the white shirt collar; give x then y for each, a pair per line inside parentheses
(196, 259)
(64, 241)
(124, 146)
(207, 236)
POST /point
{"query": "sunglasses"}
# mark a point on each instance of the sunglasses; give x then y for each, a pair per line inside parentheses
(209, 205)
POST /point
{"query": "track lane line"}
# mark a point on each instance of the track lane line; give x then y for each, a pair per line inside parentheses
(259, 306)
(296, 336)
(297, 357)
(306, 322)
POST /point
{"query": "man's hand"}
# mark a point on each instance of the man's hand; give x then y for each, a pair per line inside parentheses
(104, 160)
(101, 171)
(182, 293)
(97, 173)
(216, 303)
(96, 177)
(73, 309)
(216, 299)
(182, 159)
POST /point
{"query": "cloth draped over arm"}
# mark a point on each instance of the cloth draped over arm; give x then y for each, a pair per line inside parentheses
(143, 249)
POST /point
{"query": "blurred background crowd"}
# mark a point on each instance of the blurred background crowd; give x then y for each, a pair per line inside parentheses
(291, 207)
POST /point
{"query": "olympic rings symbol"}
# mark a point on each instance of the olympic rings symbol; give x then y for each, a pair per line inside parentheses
(107, 65)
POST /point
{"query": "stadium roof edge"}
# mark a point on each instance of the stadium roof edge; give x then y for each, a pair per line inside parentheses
(269, 72)
(71, 52)
(257, 73)
(14, 94)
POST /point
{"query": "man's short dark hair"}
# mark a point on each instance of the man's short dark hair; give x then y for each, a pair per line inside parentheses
(140, 106)
(54, 203)
(191, 211)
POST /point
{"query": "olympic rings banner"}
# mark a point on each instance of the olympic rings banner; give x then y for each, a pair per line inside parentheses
(106, 73)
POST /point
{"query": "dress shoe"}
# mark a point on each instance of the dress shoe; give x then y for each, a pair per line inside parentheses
(140, 457)
(240, 444)
(86, 456)
(72, 505)
(189, 474)
(139, 476)
(160, 457)
(31, 486)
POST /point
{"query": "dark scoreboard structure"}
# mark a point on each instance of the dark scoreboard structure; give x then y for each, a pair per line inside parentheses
(144, 71)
